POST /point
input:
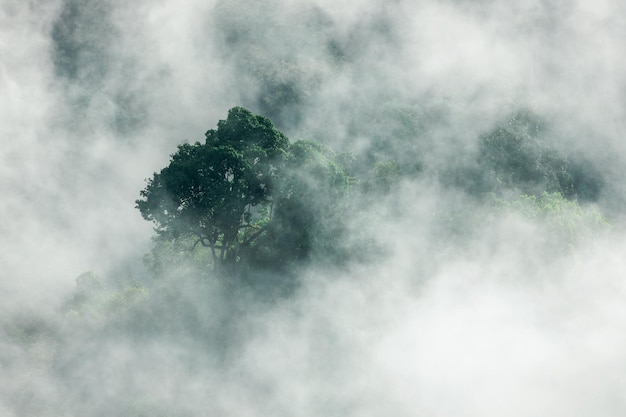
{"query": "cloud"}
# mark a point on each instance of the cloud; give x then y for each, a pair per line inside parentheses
(467, 309)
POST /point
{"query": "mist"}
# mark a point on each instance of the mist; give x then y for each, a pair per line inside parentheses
(457, 295)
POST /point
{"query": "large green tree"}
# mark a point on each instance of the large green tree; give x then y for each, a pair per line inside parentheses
(218, 193)
(250, 196)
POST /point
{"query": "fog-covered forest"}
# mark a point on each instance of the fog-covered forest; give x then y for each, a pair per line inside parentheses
(322, 208)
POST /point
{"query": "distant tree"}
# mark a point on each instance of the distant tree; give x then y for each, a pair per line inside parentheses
(383, 176)
(514, 155)
(566, 221)
(213, 192)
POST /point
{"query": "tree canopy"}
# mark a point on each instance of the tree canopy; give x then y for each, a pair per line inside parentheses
(245, 182)
(514, 155)
(517, 156)
(211, 191)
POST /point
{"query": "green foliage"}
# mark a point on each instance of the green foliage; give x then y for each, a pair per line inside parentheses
(178, 257)
(247, 200)
(93, 299)
(552, 223)
(246, 193)
(209, 191)
(311, 202)
(399, 133)
(515, 156)
(383, 176)
(565, 219)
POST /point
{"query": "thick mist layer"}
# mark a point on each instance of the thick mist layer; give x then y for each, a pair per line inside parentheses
(457, 299)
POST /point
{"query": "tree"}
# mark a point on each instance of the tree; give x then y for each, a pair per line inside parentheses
(515, 156)
(311, 201)
(220, 192)
(249, 196)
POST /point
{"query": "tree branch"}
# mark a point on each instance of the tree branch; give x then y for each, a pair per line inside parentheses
(253, 237)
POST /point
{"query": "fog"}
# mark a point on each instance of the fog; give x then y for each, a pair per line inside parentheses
(463, 308)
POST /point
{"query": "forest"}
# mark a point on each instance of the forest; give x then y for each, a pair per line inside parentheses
(252, 208)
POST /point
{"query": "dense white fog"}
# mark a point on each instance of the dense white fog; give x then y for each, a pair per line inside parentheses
(466, 309)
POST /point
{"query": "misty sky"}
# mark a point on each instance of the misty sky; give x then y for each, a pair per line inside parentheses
(95, 96)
